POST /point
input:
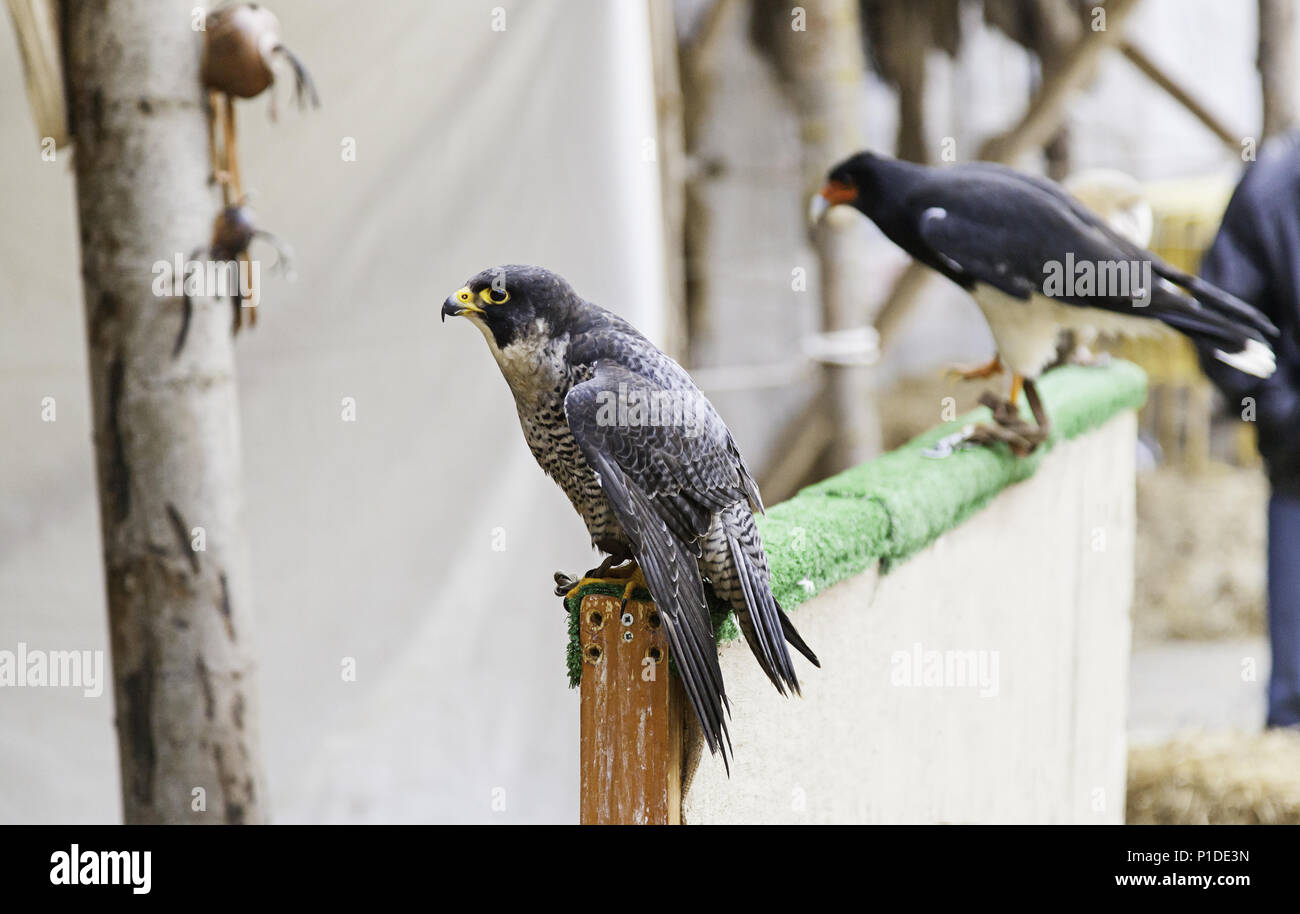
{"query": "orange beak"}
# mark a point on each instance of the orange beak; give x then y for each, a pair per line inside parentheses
(836, 192)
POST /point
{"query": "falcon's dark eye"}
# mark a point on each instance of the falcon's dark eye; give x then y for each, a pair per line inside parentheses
(495, 296)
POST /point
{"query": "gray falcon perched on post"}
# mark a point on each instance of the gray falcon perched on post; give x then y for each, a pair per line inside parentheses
(668, 494)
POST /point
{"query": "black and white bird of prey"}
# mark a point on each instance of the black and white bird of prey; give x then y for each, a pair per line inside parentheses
(662, 488)
(1038, 262)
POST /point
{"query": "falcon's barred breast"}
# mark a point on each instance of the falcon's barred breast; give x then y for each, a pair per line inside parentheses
(647, 463)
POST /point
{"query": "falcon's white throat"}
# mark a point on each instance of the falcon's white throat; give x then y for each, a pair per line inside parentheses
(534, 364)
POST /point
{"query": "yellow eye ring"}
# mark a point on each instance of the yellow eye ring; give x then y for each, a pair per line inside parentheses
(494, 296)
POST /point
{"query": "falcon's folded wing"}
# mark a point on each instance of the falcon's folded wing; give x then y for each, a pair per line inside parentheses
(665, 483)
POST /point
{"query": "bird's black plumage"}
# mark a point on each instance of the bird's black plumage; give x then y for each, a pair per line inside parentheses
(673, 493)
(987, 227)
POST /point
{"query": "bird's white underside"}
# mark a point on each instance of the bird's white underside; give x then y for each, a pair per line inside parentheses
(1027, 332)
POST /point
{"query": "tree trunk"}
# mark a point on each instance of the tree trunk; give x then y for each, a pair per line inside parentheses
(1047, 108)
(166, 429)
(825, 72)
(696, 65)
(670, 117)
(1278, 73)
(1055, 30)
(910, 40)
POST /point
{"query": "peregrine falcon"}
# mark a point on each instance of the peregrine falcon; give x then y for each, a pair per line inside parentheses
(1037, 262)
(647, 463)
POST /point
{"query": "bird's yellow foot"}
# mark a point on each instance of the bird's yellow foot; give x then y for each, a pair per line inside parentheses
(977, 372)
(614, 571)
(608, 570)
(634, 580)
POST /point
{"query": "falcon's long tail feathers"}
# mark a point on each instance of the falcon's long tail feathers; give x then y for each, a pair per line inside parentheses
(671, 571)
(746, 584)
(794, 639)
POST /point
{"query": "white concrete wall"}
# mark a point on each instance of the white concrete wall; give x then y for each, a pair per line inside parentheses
(1037, 584)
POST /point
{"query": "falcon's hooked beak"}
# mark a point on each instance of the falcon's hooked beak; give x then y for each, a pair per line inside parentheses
(460, 302)
(834, 193)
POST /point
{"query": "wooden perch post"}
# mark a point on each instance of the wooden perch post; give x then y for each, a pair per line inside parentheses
(631, 716)
(670, 119)
(824, 73)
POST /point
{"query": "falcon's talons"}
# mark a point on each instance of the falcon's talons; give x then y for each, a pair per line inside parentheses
(565, 585)
(568, 588)
(577, 586)
(614, 569)
(635, 579)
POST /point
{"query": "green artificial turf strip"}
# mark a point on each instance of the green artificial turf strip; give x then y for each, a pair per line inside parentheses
(889, 508)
